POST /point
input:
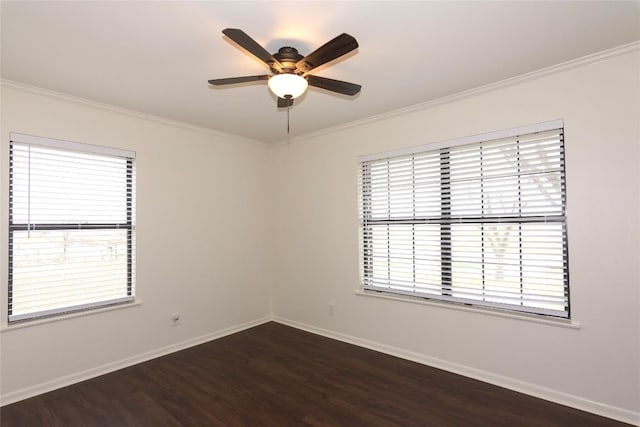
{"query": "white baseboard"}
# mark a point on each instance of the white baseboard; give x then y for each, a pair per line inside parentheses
(555, 396)
(562, 398)
(27, 392)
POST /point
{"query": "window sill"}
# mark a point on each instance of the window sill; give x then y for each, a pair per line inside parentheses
(29, 323)
(563, 323)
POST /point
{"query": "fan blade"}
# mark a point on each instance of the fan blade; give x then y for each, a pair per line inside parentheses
(338, 86)
(234, 80)
(329, 51)
(251, 46)
(285, 102)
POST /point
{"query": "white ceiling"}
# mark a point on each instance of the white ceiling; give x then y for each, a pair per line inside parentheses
(156, 57)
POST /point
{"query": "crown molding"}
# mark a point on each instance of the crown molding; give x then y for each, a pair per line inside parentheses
(553, 69)
(126, 112)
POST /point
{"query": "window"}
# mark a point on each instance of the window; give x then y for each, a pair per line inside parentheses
(71, 226)
(478, 221)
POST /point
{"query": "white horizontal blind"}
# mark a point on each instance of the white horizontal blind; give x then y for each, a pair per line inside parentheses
(481, 223)
(71, 226)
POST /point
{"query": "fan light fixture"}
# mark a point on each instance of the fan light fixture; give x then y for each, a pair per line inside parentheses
(287, 85)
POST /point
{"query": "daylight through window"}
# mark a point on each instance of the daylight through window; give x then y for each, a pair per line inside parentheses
(479, 221)
(71, 226)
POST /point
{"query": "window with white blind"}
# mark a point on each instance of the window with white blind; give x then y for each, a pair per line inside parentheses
(71, 226)
(478, 221)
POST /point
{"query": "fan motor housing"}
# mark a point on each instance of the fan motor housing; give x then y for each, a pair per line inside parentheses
(288, 57)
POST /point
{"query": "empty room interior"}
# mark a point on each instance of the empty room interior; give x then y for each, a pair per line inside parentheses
(347, 213)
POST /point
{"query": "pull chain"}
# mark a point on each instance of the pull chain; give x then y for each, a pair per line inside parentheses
(289, 99)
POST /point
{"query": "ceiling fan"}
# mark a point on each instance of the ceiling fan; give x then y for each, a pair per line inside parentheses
(290, 78)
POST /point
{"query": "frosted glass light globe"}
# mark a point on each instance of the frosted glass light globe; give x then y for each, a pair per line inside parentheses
(283, 85)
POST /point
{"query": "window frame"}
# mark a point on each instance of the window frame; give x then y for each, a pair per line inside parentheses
(128, 225)
(366, 237)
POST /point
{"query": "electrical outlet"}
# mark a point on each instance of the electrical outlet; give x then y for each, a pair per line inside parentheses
(332, 309)
(175, 318)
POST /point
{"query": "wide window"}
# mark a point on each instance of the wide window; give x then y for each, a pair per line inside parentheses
(479, 220)
(71, 226)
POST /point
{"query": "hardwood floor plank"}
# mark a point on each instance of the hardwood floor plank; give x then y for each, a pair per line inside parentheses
(275, 375)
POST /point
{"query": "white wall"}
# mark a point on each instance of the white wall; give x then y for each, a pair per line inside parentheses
(596, 367)
(203, 239)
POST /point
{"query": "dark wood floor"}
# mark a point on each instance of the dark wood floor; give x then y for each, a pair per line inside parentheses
(274, 375)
